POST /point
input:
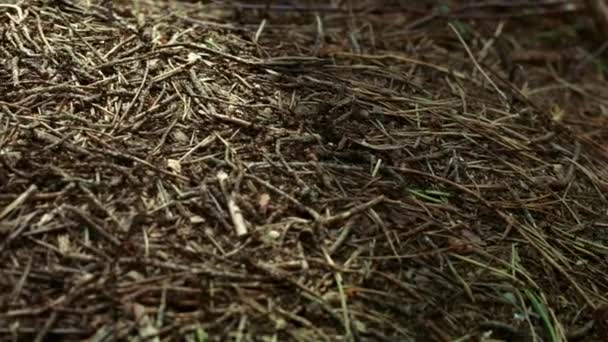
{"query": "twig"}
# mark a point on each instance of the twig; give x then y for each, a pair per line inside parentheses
(298, 204)
(466, 47)
(353, 211)
(235, 212)
(18, 201)
(89, 221)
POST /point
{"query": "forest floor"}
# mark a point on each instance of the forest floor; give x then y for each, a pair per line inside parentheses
(374, 172)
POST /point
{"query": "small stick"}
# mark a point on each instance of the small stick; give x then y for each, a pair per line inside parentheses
(89, 221)
(466, 47)
(18, 201)
(297, 203)
(599, 9)
(355, 210)
(97, 203)
(343, 301)
(348, 227)
(235, 212)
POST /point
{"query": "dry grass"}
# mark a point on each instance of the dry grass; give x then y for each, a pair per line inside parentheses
(186, 171)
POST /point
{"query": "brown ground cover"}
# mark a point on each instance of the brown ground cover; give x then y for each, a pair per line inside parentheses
(378, 171)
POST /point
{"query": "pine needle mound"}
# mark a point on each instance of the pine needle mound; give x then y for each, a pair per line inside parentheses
(210, 172)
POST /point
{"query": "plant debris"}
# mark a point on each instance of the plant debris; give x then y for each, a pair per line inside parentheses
(214, 171)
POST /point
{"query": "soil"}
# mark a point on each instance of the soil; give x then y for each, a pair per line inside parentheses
(302, 171)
